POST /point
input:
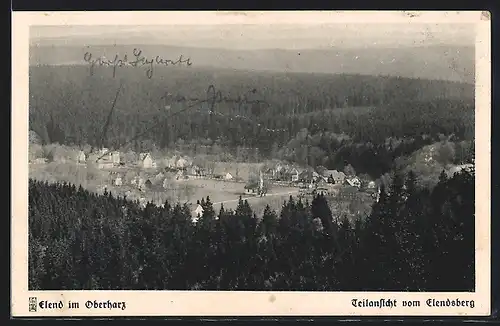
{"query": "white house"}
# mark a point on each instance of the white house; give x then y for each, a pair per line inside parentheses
(115, 157)
(377, 196)
(81, 157)
(146, 160)
(40, 160)
(181, 163)
(228, 176)
(295, 175)
(118, 181)
(354, 182)
(197, 171)
(198, 212)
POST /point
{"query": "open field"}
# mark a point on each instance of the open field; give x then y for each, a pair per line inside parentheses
(227, 193)
(237, 169)
(186, 191)
(190, 190)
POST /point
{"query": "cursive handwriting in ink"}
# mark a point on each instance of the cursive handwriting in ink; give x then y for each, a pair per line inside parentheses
(214, 96)
(138, 61)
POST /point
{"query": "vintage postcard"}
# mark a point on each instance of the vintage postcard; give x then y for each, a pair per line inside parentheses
(251, 163)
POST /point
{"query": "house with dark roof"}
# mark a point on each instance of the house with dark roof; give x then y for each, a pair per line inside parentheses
(306, 176)
(334, 176)
(105, 163)
(197, 171)
(146, 161)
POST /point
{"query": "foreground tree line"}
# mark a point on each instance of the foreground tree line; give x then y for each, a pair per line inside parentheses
(413, 237)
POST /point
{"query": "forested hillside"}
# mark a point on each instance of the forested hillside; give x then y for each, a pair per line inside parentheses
(439, 61)
(413, 238)
(258, 110)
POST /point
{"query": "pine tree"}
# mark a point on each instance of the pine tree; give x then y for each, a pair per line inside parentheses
(409, 241)
(411, 272)
(321, 210)
(208, 211)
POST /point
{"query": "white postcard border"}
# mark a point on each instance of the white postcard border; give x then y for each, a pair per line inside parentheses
(239, 303)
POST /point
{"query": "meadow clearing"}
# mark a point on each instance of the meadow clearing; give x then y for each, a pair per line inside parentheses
(185, 191)
(189, 191)
(228, 193)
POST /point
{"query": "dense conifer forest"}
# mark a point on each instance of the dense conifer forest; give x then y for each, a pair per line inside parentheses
(375, 125)
(311, 119)
(410, 242)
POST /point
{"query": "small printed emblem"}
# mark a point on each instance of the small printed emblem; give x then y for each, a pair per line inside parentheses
(32, 306)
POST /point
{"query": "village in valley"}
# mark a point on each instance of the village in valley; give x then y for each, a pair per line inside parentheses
(180, 178)
(287, 156)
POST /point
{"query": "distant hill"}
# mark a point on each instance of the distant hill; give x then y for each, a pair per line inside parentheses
(453, 63)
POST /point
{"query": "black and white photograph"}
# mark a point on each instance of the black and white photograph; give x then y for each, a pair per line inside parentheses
(329, 157)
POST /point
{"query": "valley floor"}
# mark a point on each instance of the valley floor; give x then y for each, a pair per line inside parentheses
(221, 192)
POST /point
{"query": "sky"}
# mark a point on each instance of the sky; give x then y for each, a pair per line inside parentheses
(252, 37)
